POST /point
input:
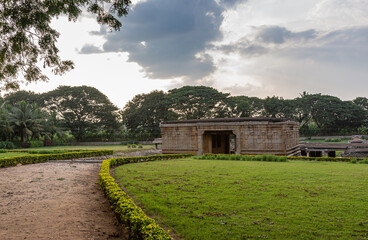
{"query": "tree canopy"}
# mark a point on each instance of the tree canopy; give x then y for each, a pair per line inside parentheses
(194, 102)
(27, 40)
(144, 113)
(84, 109)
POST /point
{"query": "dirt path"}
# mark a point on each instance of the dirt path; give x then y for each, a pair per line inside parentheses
(55, 201)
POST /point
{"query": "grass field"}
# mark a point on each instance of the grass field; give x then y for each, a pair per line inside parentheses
(12, 154)
(204, 199)
(113, 147)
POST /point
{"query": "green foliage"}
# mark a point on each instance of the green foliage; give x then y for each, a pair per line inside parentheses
(30, 159)
(28, 40)
(18, 96)
(35, 144)
(84, 110)
(135, 220)
(273, 158)
(236, 157)
(333, 140)
(196, 102)
(206, 199)
(143, 114)
(6, 145)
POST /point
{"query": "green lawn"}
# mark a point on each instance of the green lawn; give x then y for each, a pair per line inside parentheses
(204, 199)
(113, 147)
(12, 154)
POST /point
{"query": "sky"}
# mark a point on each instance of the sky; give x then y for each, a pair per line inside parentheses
(243, 47)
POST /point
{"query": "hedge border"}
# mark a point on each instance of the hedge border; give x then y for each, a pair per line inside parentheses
(138, 224)
(30, 159)
(238, 157)
(210, 156)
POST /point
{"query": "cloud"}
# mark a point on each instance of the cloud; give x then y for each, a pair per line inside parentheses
(231, 3)
(168, 38)
(279, 35)
(90, 49)
(284, 63)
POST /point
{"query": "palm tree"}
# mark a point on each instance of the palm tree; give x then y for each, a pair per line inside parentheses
(52, 128)
(26, 119)
(6, 129)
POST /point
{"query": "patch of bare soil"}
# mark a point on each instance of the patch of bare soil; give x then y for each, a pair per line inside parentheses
(55, 201)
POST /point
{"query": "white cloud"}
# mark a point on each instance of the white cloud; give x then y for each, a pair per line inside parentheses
(269, 47)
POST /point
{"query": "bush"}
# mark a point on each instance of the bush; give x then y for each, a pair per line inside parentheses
(237, 157)
(25, 145)
(35, 144)
(138, 224)
(30, 159)
(364, 161)
(48, 143)
(7, 145)
(333, 140)
(3, 151)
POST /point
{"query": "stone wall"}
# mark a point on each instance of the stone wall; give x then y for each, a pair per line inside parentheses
(251, 137)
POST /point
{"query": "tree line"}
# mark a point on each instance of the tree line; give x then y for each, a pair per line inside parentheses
(64, 114)
(317, 114)
(85, 114)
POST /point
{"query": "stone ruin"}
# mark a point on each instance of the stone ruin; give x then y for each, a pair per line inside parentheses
(250, 136)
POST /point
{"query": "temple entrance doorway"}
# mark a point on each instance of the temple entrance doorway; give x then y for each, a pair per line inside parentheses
(218, 142)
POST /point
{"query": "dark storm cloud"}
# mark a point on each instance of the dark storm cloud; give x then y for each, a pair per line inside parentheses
(166, 36)
(348, 46)
(335, 46)
(243, 47)
(279, 35)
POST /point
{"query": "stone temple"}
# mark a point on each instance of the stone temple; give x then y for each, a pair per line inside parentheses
(250, 136)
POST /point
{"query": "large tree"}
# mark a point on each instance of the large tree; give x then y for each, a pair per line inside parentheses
(145, 112)
(196, 102)
(27, 40)
(84, 109)
(26, 120)
(27, 96)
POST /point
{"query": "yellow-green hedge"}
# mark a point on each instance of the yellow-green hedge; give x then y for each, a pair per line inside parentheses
(30, 159)
(130, 215)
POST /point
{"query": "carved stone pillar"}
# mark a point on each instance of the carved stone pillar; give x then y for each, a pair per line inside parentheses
(200, 142)
(238, 143)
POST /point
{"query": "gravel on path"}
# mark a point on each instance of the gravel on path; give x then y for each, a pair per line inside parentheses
(55, 201)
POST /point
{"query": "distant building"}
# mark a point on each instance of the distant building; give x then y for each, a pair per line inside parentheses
(231, 135)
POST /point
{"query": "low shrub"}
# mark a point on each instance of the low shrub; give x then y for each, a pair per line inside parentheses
(48, 143)
(333, 140)
(25, 145)
(3, 151)
(130, 215)
(364, 161)
(6, 145)
(35, 144)
(237, 157)
(30, 159)
(46, 151)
